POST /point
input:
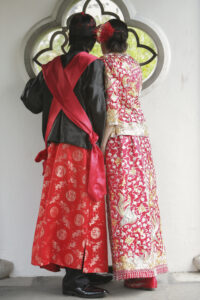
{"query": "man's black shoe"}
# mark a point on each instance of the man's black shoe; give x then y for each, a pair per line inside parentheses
(97, 278)
(88, 291)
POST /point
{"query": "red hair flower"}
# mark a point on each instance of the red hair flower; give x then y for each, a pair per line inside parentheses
(105, 32)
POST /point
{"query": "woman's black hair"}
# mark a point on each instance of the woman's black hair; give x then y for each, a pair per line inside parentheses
(82, 34)
(118, 41)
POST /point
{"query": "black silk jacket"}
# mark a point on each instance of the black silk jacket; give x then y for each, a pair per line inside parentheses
(90, 92)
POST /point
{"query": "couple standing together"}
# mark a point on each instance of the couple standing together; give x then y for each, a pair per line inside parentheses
(89, 104)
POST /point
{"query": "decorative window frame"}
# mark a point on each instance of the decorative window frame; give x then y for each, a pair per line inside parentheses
(58, 20)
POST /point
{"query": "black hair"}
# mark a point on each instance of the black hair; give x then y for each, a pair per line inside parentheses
(82, 34)
(118, 41)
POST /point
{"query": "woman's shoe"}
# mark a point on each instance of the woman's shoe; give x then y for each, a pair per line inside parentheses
(141, 283)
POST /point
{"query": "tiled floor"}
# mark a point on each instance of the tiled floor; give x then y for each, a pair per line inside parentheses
(170, 287)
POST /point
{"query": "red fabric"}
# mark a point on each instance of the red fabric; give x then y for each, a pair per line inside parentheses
(133, 212)
(61, 83)
(71, 229)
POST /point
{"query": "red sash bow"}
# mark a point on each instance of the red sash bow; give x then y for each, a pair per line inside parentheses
(61, 83)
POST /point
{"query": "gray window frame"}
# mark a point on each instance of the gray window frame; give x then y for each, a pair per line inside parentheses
(57, 20)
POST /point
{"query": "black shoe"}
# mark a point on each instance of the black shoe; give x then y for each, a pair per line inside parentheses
(97, 278)
(88, 291)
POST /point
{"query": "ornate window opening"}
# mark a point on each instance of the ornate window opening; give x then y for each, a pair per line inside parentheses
(51, 39)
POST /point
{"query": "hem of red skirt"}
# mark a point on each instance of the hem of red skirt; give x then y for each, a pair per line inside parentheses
(53, 267)
(144, 273)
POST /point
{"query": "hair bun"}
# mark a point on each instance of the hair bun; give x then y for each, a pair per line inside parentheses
(118, 41)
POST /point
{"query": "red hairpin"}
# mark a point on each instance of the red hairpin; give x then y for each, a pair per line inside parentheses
(105, 32)
(83, 14)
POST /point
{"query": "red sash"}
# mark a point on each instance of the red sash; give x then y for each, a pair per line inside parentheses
(61, 83)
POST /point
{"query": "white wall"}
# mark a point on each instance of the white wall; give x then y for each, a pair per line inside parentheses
(172, 112)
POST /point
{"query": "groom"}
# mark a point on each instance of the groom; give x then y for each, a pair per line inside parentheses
(63, 125)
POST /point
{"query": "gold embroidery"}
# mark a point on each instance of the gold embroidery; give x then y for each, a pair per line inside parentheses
(118, 161)
(112, 117)
(141, 209)
(122, 128)
(129, 240)
(133, 171)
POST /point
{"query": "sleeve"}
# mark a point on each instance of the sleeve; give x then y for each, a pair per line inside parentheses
(32, 96)
(112, 85)
(95, 93)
